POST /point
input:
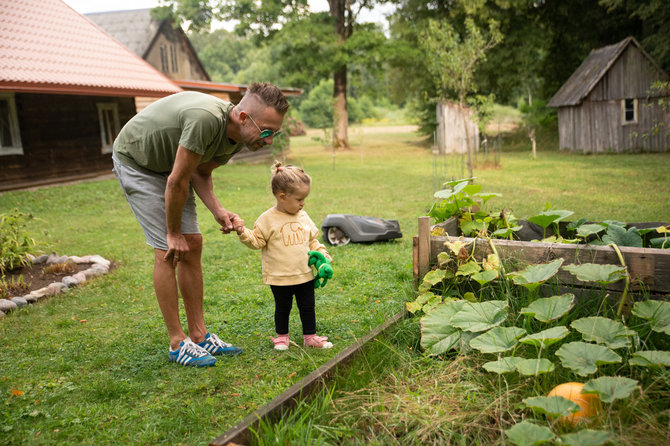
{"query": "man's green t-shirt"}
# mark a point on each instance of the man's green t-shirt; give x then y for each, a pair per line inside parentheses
(194, 120)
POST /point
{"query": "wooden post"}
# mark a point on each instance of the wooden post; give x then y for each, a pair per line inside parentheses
(423, 246)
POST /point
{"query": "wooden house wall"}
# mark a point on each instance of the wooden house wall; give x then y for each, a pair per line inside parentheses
(596, 125)
(61, 138)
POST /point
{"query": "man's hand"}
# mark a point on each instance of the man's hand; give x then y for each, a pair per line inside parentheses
(177, 249)
(226, 219)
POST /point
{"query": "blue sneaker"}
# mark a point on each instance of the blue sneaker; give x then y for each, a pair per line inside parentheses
(191, 354)
(216, 346)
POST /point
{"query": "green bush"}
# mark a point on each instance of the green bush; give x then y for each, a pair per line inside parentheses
(15, 243)
(316, 109)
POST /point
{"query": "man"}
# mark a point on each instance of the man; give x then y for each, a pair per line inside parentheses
(161, 156)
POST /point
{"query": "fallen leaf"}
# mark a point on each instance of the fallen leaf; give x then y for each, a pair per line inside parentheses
(235, 394)
(292, 375)
(83, 321)
(17, 392)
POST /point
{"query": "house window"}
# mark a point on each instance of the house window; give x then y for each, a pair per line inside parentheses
(10, 136)
(173, 58)
(165, 66)
(108, 114)
(629, 111)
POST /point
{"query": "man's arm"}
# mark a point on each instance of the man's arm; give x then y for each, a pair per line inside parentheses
(204, 187)
(176, 193)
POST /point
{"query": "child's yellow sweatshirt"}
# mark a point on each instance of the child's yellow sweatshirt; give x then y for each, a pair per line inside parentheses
(284, 241)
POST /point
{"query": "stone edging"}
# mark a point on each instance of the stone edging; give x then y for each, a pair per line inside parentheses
(99, 266)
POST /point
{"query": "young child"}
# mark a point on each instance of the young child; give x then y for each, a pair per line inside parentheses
(285, 234)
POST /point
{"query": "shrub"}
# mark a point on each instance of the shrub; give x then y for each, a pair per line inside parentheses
(15, 243)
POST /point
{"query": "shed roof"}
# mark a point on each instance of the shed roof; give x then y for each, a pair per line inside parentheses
(589, 73)
(47, 47)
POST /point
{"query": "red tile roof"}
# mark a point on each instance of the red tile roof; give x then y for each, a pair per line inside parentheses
(47, 47)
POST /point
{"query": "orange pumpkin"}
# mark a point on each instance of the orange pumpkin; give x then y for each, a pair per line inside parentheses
(589, 402)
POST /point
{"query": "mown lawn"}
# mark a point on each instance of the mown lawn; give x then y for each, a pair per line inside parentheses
(90, 367)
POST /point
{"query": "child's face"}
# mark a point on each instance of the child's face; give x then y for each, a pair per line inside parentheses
(293, 202)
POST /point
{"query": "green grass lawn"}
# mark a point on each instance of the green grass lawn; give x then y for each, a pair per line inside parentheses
(90, 367)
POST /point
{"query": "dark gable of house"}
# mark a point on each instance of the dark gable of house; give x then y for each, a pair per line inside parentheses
(607, 105)
(163, 46)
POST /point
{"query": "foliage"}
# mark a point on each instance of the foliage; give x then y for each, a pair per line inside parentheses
(15, 241)
(316, 109)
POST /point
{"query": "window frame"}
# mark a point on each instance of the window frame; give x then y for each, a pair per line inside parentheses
(112, 107)
(624, 109)
(165, 61)
(14, 129)
(173, 59)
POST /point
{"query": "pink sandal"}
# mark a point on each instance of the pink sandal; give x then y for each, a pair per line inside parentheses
(317, 341)
(281, 342)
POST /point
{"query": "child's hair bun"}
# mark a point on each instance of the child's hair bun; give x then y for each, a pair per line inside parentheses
(276, 167)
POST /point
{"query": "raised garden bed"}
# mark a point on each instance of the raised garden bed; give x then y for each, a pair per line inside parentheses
(648, 268)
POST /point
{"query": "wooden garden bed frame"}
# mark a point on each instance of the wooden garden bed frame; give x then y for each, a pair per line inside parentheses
(240, 434)
(649, 268)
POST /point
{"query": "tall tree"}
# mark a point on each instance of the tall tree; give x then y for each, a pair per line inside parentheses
(264, 18)
(452, 59)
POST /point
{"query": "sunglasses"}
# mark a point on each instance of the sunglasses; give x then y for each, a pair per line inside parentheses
(264, 133)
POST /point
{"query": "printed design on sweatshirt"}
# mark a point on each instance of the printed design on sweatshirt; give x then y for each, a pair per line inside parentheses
(292, 234)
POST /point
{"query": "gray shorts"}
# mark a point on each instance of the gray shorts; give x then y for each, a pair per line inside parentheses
(145, 193)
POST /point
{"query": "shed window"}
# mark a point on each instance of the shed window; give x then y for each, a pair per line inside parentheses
(629, 111)
(165, 64)
(108, 114)
(10, 136)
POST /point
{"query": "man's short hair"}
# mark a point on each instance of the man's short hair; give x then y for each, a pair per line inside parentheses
(270, 95)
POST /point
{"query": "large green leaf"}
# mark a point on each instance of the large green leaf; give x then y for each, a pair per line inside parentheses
(546, 218)
(437, 333)
(656, 312)
(584, 358)
(503, 365)
(550, 308)
(650, 358)
(485, 277)
(602, 330)
(468, 268)
(535, 275)
(476, 317)
(531, 367)
(554, 406)
(586, 437)
(547, 337)
(610, 388)
(497, 339)
(529, 434)
(431, 279)
(588, 229)
(594, 272)
(619, 236)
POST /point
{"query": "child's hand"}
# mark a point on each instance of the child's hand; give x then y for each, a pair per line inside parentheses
(238, 224)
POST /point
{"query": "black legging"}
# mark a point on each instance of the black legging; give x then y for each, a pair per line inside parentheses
(304, 297)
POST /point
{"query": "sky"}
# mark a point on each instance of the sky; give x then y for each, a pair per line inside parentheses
(86, 6)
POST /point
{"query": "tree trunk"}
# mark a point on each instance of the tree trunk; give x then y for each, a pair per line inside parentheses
(340, 114)
(533, 142)
(338, 10)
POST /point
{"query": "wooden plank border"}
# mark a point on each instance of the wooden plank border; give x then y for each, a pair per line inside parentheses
(240, 434)
(649, 268)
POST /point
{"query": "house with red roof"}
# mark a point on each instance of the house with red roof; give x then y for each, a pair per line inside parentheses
(66, 89)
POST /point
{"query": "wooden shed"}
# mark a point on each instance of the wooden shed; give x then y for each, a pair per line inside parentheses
(66, 88)
(608, 104)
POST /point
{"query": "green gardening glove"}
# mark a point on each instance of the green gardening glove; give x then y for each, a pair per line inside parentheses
(324, 270)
